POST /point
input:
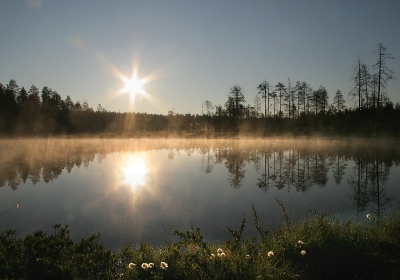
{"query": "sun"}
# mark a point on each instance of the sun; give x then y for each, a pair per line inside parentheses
(133, 85)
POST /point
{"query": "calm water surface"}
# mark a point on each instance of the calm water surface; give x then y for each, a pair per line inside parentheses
(138, 190)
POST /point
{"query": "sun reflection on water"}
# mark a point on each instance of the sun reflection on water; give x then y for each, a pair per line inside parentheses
(134, 171)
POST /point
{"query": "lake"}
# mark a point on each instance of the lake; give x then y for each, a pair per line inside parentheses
(134, 190)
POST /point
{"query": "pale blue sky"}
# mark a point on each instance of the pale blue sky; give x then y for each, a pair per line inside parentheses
(194, 50)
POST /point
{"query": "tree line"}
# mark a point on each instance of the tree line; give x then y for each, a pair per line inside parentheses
(294, 108)
(298, 108)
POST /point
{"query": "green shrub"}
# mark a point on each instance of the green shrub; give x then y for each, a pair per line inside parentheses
(316, 247)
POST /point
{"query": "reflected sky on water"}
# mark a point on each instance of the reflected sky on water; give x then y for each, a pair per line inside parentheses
(138, 190)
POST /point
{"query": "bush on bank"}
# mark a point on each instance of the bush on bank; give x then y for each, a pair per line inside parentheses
(315, 247)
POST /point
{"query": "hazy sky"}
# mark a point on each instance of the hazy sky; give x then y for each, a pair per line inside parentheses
(191, 51)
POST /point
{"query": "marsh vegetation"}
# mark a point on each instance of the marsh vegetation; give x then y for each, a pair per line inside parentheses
(318, 246)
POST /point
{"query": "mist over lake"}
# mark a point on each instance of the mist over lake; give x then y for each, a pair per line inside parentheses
(139, 189)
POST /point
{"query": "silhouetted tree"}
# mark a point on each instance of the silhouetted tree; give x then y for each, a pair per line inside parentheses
(303, 97)
(359, 78)
(236, 100)
(34, 97)
(56, 102)
(78, 106)
(383, 74)
(274, 96)
(10, 105)
(69, 104)
(86, 108)
(235, 106)
(22, 97)
(290, 100)
(32, 110)
(46, 96)
(281, 90)
(319, 100)
(22, 124)
(209, 107)
(263, 90)
(3, 112)
(257, 106)
(338, 101)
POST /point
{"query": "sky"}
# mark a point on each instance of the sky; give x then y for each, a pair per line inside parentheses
(187, 52)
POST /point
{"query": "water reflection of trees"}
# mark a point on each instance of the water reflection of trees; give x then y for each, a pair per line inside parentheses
(45, 160)
(292, 167)
(368, 184)
(207, 160)
(301, 167)
(338, 164)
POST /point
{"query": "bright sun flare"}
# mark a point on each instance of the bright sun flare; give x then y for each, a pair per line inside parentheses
(135, 171)
(133, 86)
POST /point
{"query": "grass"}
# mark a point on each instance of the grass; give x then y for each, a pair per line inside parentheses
(316, 247)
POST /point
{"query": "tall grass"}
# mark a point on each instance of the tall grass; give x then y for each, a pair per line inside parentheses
(318, 246)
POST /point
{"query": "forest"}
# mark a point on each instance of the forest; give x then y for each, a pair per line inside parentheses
(294, 108)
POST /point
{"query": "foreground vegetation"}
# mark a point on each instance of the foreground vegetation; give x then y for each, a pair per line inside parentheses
(317, 247)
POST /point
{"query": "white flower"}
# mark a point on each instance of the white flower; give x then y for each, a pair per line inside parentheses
(145, 266)
(303, 252)
(368, 216)
(151, 265)
(164, 265)
(222, 255)
(132, 266)
(300, 242)
(212, 256)
(247, 257)
(16, 206)
(270, 254)
(219, 251)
